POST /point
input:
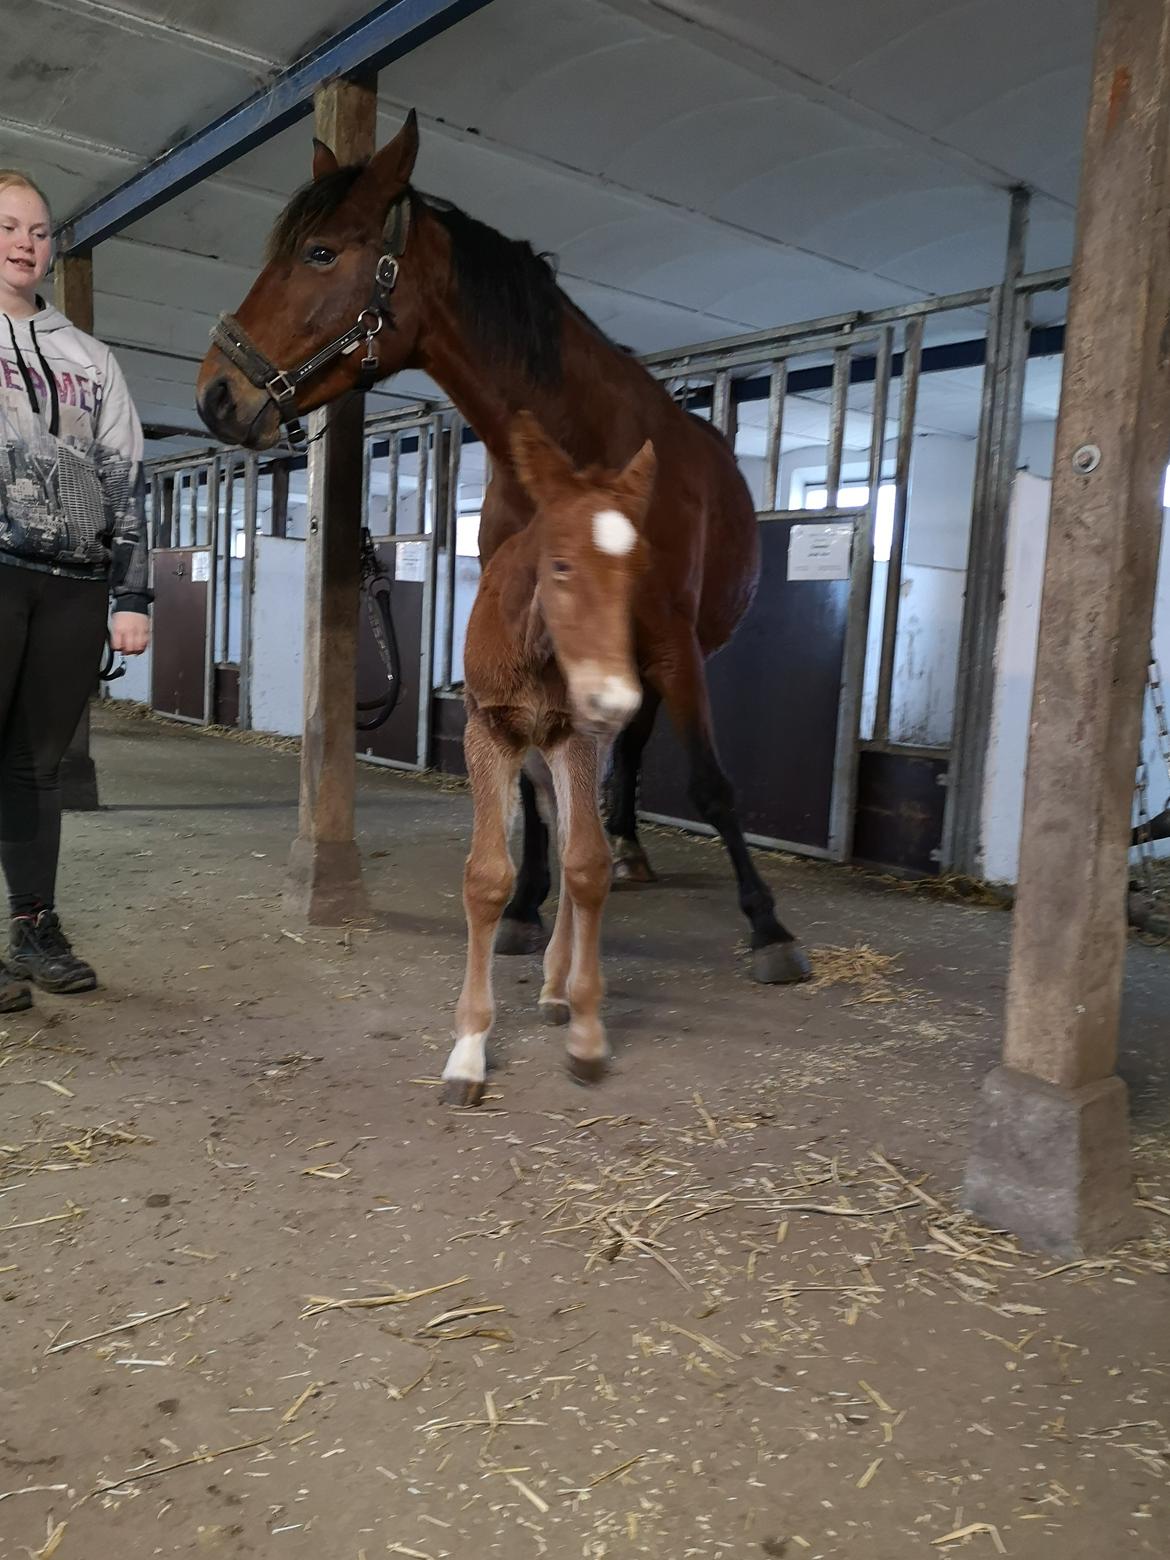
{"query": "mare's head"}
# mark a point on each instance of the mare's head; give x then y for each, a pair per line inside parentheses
(338, 262)
(588, 526)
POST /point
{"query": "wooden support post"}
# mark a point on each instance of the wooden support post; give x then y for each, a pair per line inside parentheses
(325, 878)
(73, 285)
(1051, 1155)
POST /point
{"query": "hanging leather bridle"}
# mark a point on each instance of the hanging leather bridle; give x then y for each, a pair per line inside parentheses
(282, 384)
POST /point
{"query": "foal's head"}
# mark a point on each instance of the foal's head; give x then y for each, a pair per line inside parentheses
(588, 528)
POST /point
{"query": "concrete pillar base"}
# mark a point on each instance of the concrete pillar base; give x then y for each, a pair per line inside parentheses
(325, 885)
(1052, 1165)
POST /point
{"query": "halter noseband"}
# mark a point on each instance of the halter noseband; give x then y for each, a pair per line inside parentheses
(282, 384)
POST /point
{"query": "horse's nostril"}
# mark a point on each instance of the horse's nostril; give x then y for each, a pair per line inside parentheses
(218, 402)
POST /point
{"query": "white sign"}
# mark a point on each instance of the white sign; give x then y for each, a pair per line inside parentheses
(200, 566)
(820, 552)
(411, 561)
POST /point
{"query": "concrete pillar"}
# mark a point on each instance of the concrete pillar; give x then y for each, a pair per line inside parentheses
(73, 286)
(325, 878)
(1050, 1159)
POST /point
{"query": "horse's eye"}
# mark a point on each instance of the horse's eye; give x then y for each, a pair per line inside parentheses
(562, 569)
(319, 255)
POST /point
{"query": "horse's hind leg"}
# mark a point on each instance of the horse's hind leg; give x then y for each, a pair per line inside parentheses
(521, 929)
(777, 958)
(487, 879)
(629, 859)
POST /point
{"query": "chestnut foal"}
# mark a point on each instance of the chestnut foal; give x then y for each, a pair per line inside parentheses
(549, 663)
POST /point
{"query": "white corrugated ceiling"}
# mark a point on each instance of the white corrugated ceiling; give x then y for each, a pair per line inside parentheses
(699, 167)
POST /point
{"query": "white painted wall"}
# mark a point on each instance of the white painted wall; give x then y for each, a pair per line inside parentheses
(278, 632)
(1015, 672)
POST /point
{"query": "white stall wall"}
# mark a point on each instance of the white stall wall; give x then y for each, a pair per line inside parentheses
(1015, 671)
(278, 632)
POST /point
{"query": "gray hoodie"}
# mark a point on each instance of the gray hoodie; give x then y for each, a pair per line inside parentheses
(71, 480)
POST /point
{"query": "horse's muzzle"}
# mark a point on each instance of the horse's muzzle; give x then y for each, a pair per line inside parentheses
(253, 423)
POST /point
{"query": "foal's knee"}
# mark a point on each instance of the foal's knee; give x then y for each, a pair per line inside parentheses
(486, 885)
(587, 877)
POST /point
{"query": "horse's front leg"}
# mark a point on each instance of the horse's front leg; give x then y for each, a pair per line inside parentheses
(586, 868)
(492, 765)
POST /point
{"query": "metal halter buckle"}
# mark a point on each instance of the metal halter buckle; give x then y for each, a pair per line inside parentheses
(386, 273)
(281, 388)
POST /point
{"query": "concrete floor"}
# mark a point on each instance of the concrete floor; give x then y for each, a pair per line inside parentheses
(687, 1313)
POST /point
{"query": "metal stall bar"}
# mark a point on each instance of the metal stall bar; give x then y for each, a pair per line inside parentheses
(721, 403)
(911, 368)
(227, 488)
(450, 578)
(844, 798)
(392, 455)
(776, 389)
(212, 592)
(842, 360)
(995, 465)
(248, 587)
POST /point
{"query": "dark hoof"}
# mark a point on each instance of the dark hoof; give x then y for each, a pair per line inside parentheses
(462, 1092)
(587, 1069)
(554, 1012)
(780, 964)
(520, 937)
(630, 865)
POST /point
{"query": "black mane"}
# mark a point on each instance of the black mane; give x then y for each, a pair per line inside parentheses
(507, 294)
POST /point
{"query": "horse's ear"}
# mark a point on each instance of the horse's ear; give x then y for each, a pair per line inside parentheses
(390, 169)
(541, 464)
(636, 482)
(324, 160)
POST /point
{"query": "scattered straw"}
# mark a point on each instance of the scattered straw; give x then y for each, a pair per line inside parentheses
(319, 1303)
(52, 1542)
(108, 1332)
(291, 1413)
(184, 1462)
(972, 1528)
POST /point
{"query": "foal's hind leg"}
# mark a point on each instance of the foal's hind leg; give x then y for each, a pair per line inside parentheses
(521, 929)
(629, 859)
(487, 879)
(777, 958)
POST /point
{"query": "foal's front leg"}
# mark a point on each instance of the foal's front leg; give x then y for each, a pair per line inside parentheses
(585, 878)
(492, 765)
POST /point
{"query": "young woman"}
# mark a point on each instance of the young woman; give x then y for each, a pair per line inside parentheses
(72, 531)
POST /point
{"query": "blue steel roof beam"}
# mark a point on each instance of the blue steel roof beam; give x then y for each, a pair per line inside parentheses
(388, 32)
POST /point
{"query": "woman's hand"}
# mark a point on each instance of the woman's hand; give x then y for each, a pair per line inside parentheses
(130, 632)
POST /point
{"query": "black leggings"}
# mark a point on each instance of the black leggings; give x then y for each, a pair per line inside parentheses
(52, 630)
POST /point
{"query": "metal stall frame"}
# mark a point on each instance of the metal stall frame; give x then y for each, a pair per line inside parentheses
(165, 488)
(428, 424)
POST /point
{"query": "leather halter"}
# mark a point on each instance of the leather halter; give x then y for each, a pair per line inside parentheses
(282, 384)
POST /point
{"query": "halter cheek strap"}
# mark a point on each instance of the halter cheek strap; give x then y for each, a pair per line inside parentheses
(282, 384)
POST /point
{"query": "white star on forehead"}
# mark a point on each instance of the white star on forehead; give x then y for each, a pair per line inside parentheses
(613, 533)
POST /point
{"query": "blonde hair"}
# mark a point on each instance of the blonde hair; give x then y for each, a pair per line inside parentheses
(12, 178)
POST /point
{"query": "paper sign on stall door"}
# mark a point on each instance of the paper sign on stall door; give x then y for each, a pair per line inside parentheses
(820, 552)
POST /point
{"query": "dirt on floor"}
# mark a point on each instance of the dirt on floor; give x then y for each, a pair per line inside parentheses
(262, 1296)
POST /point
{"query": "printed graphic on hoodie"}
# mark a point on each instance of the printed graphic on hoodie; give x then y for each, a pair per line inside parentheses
(71, 481)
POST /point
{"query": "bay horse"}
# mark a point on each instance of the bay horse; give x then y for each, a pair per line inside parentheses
(549, 664)
(359, 253)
